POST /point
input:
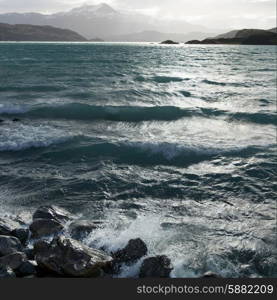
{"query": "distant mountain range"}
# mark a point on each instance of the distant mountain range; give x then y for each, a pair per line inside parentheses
(156, 36)
(243, 37)
(23, 32)
(104, 22)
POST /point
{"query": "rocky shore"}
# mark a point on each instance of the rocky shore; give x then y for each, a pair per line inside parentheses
(51, 246)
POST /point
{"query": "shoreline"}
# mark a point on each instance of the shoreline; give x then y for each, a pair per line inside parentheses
(51, 246)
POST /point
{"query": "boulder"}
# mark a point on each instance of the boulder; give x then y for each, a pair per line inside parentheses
(245, 271)
(30, 253)
(69, 258)
(80, 229)
(6, 272)
(22, 234)
(9, 245)
(52, 212)
(27, 268)
(14, 260)
(156, 267)
(45, 227)
(7, 226)
(129, 255)
(134, 250)
(210, 274)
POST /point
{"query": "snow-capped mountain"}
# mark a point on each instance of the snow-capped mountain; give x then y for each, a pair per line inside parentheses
(91, 11)
(101, 21)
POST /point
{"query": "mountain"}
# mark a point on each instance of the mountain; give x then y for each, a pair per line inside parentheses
(229, 35)
(242, 37)
(156, 36)
(273, 30)
(102, 21)
(23, 32)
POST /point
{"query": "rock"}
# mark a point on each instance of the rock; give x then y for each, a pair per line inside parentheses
(22, 234)
(134, 250)
(27, 268)
(9, 245)
(16, 120)
(193, 42)
(210, 274)
(45, 227)
(52, 212)
(20, 219)
(80, 229)
(67, 257)
(30, 253)
(13, 260)
(169, 42)
(6, 272)
(245, 271)
(156, 267)
(7, 226)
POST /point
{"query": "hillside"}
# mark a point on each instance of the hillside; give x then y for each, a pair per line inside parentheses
(242, 37)
(23, 32)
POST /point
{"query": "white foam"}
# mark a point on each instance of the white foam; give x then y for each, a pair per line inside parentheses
(119, 231)
(15, 137)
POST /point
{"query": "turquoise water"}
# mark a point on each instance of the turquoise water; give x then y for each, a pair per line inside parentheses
(173, 144)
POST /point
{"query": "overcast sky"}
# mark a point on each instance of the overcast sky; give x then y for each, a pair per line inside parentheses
(211, 13)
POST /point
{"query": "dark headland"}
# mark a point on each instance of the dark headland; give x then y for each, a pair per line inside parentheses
(169, 42)
(25, 32)
(242, 37)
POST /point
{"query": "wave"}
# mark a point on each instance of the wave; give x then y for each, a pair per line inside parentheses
(22, 137)
(12, 109)
(214, 82)
(37, 88)
(161, 79)
(234, 84)
(259, 118)
(148, 153)
(79, 111)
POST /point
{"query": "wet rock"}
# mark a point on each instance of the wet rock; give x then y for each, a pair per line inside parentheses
(9, 245)
(27, 268)
(6, 272)
(14, 260)
(16, 120)
(266, 266)
(245, 271)
(20, 219)
(80, 229)
(7, 226)
(156, 267)
(1, 121)
(45, 227)
(210, 274)
(22, 234)
(67, 257)
(30, 253)
(134, 250)
(52, 212)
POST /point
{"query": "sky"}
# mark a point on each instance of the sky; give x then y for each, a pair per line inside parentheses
(210, 13)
